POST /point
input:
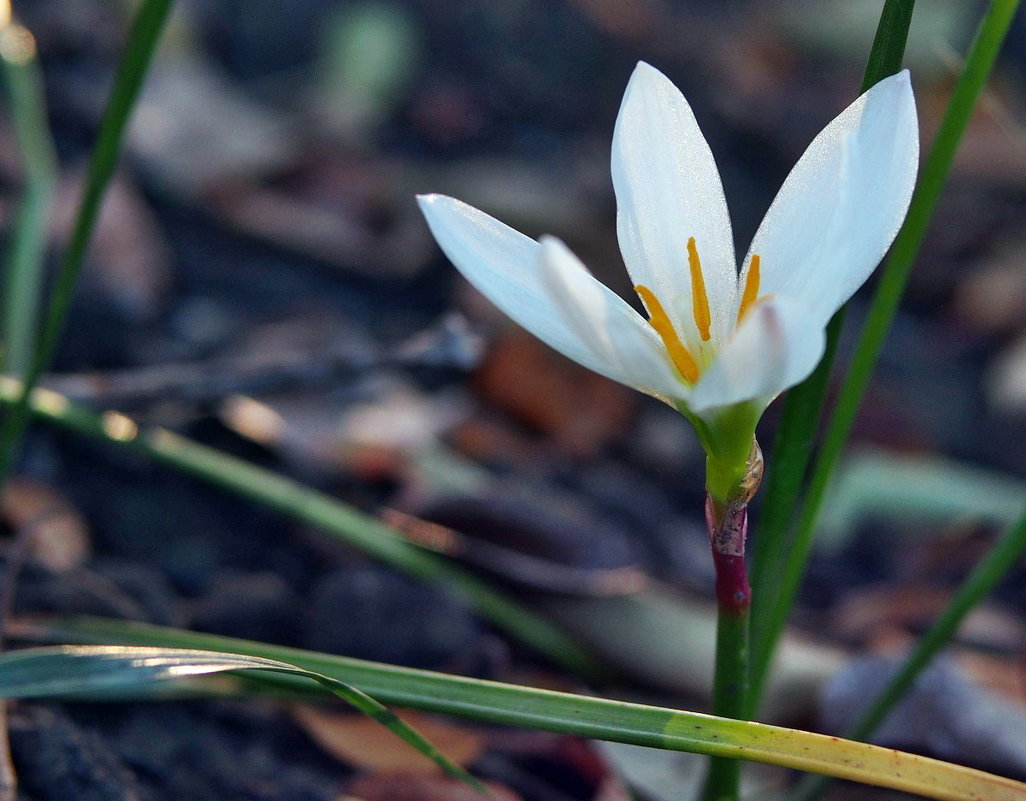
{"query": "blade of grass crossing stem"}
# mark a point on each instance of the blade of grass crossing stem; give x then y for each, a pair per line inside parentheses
(579, 715)
(1005, 554)
(24, 275)
(803, 406)
(145, 33)
(53, 672)
(979, 63)
(315, 508)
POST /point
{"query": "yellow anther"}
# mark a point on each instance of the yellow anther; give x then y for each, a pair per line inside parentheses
(751, 293)
(658, 319)
(699, 299)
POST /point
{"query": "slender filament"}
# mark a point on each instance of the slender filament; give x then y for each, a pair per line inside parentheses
(660, 321)
(699, 298)
(751, 293)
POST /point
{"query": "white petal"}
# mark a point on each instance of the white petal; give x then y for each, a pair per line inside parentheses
(667, 190)
(555, 297)
(626, 347)
(841, 206)
(778, 344)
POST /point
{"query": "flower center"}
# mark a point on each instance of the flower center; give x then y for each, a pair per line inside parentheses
(678, 352)
(681, 357)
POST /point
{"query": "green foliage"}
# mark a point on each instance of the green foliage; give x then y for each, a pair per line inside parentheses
(24, 82)
(567, 713)
(142, 42)
(315, 508)
(71, 670)
(978, 66)
(774, 553)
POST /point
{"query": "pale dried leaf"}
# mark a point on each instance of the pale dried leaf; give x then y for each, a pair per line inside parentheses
(59, 536)
(130, 258)
(365, 743)
(407, 787)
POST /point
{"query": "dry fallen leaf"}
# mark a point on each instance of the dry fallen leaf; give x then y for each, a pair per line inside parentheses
(544, 390)
(991, 298)
(407, 787)
(130, 258)
(867, 612)
(1006, 379)
(59, 536)
(364, 743)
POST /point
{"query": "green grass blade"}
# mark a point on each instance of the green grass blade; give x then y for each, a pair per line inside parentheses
(23, 81)
(1005, 554)
(979, 64)
(579, 715)
(149, 23)
(56, 672)
(801, 415)
(302, 503)
(888, 50)
(785, 476)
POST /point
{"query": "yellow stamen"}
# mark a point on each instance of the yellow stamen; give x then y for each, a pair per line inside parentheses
(751, 292)
(658, 319)
(700, 300)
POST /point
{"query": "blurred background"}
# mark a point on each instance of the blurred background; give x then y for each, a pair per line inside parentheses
(262, 281)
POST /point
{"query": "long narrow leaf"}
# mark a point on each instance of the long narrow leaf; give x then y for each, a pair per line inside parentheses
(310, 506)
(65, 670)
(581, 715)
(24, 270)
(978, 66)
(803, 411)
(149, 23)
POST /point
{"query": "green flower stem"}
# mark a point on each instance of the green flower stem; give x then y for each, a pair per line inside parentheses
(146, 30)
(727, 441)
(980, 582)
(979, 63)
(315, 508)
(24, 83)
(727, 524)
(730, 685)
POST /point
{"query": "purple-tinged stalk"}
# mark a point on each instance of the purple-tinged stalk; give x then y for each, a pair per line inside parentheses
(727, 535)
(727, 525)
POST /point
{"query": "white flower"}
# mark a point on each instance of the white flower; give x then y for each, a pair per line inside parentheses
(716, 339)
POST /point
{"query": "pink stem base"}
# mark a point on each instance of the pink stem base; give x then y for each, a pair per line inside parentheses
(728, 530)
